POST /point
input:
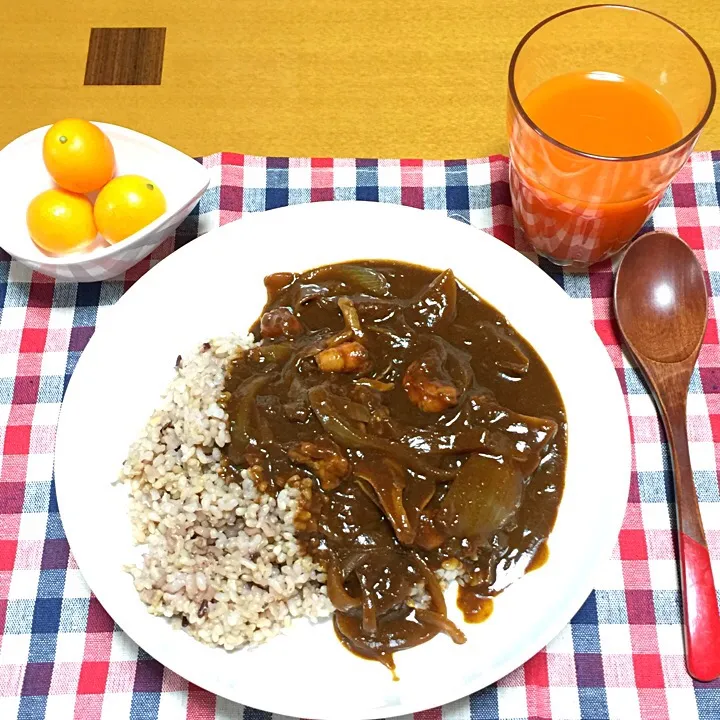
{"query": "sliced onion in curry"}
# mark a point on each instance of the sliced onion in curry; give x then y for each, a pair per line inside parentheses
(357, 277)
(485, 495)
(436, 305)
(343, 431)
(387, 479)
(442, 623)
(339, 596)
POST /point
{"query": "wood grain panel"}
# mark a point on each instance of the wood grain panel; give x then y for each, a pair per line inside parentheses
(366, 78)
(125, 56)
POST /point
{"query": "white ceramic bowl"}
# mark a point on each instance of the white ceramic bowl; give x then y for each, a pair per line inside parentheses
(23, 176)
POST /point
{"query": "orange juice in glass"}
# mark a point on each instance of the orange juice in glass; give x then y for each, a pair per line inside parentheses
(605, 105)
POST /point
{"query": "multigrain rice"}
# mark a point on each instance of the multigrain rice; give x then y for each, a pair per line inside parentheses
(220, 558)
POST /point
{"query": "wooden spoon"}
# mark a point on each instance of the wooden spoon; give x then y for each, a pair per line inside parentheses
(661, 307)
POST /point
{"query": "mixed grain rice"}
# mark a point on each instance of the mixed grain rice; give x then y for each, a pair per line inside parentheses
(221, 559)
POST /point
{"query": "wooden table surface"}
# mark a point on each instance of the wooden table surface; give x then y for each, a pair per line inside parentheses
(367, 78)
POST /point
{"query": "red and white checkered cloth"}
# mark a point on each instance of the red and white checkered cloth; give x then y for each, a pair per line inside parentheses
(621, 658)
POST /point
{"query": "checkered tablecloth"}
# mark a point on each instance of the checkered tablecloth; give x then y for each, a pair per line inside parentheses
(621, 657)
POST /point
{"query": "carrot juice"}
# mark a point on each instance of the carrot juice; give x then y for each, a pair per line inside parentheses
(587, 181)
(604, 114)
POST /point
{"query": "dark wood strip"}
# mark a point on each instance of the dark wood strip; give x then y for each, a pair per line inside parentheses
(125, 56)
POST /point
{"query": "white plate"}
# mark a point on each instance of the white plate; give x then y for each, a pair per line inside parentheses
(213, 286)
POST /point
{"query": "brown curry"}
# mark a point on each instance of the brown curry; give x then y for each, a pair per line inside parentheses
(425, 433)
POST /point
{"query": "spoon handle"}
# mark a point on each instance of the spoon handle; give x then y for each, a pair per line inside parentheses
(700, 607)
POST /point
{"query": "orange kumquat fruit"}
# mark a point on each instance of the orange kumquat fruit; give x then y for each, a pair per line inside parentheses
(61, 222)
(127, 204)
(78, 155)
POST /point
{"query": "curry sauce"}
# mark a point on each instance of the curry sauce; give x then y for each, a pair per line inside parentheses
(428, 436)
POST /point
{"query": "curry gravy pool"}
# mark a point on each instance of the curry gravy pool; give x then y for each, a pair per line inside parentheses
(396, 433)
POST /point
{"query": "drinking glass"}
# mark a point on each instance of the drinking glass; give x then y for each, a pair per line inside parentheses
(574, 207)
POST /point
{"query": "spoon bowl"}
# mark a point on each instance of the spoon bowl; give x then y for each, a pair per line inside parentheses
(662, 302)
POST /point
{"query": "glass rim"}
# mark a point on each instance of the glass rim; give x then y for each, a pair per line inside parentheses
(609, 158)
